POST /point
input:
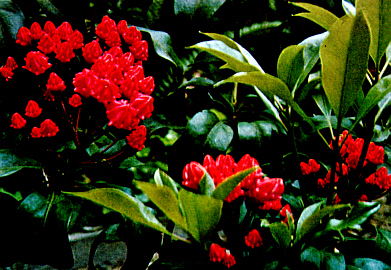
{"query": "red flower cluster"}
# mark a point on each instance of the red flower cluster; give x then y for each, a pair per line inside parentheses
(253, 239)
(263, 190)
(7, 70)
(311, 167)
(220, 254)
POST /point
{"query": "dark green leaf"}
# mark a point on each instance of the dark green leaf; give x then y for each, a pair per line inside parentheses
(130, 162)
(202, 213)
(324, 106)
(11, 19)
(249, 132)
(280, 233)
(201, 123)
(318, 15)
(370, 264)
(198, 81)
(10, 162)
(220, 136)
(317, 259)
(205, 8)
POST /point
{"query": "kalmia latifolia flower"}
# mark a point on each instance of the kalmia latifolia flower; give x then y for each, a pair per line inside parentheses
(76, 40)
(32, 109)
(46, 44)
(144, 106)
(137, 138)
(55, 83)
(113, 39)
(129, 88)
(65, 31)
(140, 50)
(192, 175)
(116, 51)
(122, 115)
(104, 29)
(6, 73)
(311, 167)
(50, 28)
(64, 52)
(131, 35)
(48, 128)
(75, 100)
(221, 255)
(11, 63)
(84, 82)
(91, 51)
(268, 191)
(36, 31)
(17, 121)
(147, 85)
(36, 132)
(122, 26)
(380, 178)
(126, 61)
(253, 239)
(36, 62)
(23, 36)
(105, 91)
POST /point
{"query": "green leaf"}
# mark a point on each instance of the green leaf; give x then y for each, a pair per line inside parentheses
(359, 214)
(201, 123)
(130, 162)
(370, 264)
(280, 233)
(318, 15)
(324, 106)
(249, 132)
(161, 178)
(11, 19)
(165, 199)
(318, 259)
(383, 241)
(344, 58)
(220, 137)
(290, 65)
(162, 44)
(226, 187)
(202, 213)
(206, 184)
(194, 7)
(124, 204)
(378, 14)
(384, 103)
(10, 162)
(349, 8)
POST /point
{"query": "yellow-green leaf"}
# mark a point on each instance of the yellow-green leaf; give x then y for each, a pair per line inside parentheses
(280, 233)
(317, 14)
(290, 65)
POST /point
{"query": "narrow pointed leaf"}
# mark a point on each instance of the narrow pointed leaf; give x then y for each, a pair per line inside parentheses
(384, 103)
(280, 233)
(318, 15)
(206, 184)
(290, 65)
(122, 203)
(202, 213)
(165, 199)
(378, 14)
(344, 58)
(11, 162)
(226, 187)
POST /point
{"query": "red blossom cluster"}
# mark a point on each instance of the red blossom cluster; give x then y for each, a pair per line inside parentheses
(253, 239)
(116, 78)
(263, 190)
(221, 255)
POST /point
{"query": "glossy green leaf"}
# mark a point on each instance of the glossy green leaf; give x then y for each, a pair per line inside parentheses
(11, 162)
(249, 132)
(206, 184)
(369, 264)
(324, 106)
(124, 204)
(194, 7)
(378, 14)
(313, 258)
(161, 178)
(201, 123)
(280, 233)
(349, 8)
(202, 213)
(130, 162)
(220, 137)
(359, 214)
(165, 199)
(226, 187)
(290, 65)
(319, 15)
(344, 58)
(11, 19)
(383, 241)
(162, 45)
(383, 104)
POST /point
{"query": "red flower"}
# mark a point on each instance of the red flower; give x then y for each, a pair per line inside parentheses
(76, 40)
(115, 51)
(122, 26)
(50, 28)
(103, 29)
(268, 191)
(229, 260)
(36, 31)
(36, 132)
(220, 254)
(17, 121)
(284, 213)
(91, 51)
(84, 82)
(147, 85)
(129, 88)
(311, 167)
(375, 154)
(48, 128)
(113, 39)
(32, 109)
(36, 62)
(248, 162)
(65, 31)
(122, 115)
(105, 91)
(102, 64)
(140, 50)
(6, 72)
(126, 61)
(23, 36)
(131, 35)
(11, 63)
(144, 105)
(75, 100)
(192, 175)
(363, 198)
(137, 71)
(114, 74)
(46, 44)
(336, 199)
(55, 83)
(64, 52)
(137, 138)
(56, 39)
(253, 239)
(380, 178)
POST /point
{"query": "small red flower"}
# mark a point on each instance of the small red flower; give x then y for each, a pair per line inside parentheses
(65, 31)
(140, 50)
(269, 192)
(48, 128)
(76, 40)
(6, 72)
(55, 83)
(56, 39)
(129, 88)
(336, 199)
(192, 174)
(32, 109)
(105, 91)
(102, 64)
(253, 239)
(363, 198)
(103, 29)
(122, 115)
(220, 254)
(113, 39)
(375, 154)
(147, 85)
(23, 36)
(64, 52)
(46, 44)
(122, 26)
(137, 138)
(144, 105)
(115, 51)
(91, 51)
(50, 28)
(36, 62)
(36, 31)
(137, 71)
(11, 63)
(126, 61)
(311, 167)
(284, 213)
(17, 121)
(36, 132)
(380, 178)
(84, 82)
(75, 100)
(114, 74)
(131, 35)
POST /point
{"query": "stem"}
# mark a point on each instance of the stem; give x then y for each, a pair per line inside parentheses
(66, 115)
(234, 97)
(100, 153)
(77, 127)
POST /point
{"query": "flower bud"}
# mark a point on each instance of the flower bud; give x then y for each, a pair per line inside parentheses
(76, 40)
(75, 100)
(36, 132)
(50, 28)
(84, 82)
(131, 35)
(147, 85)
(11, 63)
(105, 91)
(137, 138)
(65, 31)
(17, 121)
(129, 88)
(140, 50)
(144, 105)
(91, 51)
(36, 31)
(122, 115)
(46, 44)
(113, 39)
(103, 29)
(55, 83)
(48, 128)
(36, 62)
(192, 175)
(32, 109)
(64, 52)
(122, 26)
(23, 36)
(253, 239)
